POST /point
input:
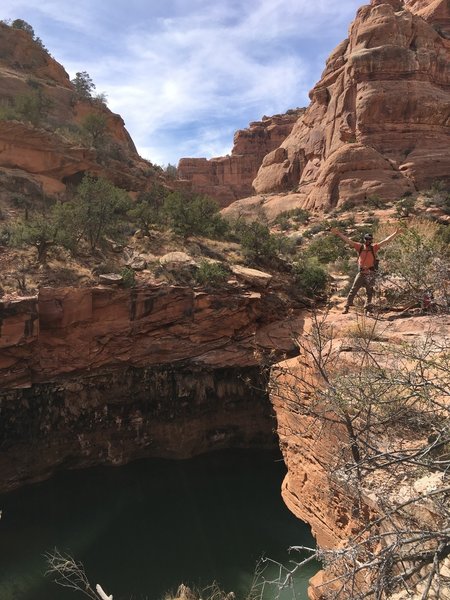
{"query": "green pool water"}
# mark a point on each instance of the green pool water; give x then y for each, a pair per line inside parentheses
(142, 529)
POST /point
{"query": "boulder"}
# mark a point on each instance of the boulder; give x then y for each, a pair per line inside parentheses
(138, 263)
(252, 276)
(174, 261)
(110, 278)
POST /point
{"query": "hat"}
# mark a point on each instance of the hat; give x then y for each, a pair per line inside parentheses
(368, 236)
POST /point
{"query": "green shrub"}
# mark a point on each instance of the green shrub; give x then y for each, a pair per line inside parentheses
(283, 222)
(417, 261)
(284, 246)
(315, 229)
(439, 196)
(73, 134)
(326, 225)
(349, 204)
(211, 273)
(326, 249)
(7, 111)
(148, 210)
(438, 186)
(32, 107)
(444, 234)
(258, 244)
(24, 26)
(108, 149)
(344, 265)
(100, 98)
(97, 211)
(40, 231)
(310, 276)
(195, 215)
(5, 235)
(94, 125)
(128, 277)
(374, 202)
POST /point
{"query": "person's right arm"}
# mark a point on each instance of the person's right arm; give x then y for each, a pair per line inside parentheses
(343, 237)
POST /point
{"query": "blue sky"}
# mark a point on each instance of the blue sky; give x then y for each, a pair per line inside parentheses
(186, 74)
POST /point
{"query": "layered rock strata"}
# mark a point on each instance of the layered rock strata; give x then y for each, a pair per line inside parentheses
(101, 375)
(379, 119)
(117, 415)
(229, 178)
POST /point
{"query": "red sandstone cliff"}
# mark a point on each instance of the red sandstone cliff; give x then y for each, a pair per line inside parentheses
(71, 330)
(102, 375)
(379, 119)
(378, 122)
(49, 151)
(228, 178)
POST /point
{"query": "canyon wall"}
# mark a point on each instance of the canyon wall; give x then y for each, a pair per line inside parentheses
(113, 416)
(102, 375)
(321, 487)
(228, 178)
(378, 124)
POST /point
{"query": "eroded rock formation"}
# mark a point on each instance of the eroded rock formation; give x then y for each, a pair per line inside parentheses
(228, 178)
(379, 119)
(95, 375)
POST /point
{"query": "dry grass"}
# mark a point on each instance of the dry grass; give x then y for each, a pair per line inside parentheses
(364, 329)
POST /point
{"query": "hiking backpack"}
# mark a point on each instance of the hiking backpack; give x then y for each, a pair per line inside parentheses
(376, 261)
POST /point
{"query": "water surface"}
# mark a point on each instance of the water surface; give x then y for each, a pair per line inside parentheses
(142, 529)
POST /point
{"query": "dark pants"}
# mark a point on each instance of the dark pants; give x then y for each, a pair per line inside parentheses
(363, 279)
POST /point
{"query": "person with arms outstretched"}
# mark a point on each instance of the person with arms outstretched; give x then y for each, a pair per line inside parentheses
(367, 264)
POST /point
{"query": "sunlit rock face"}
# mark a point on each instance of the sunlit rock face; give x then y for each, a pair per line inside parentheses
(228, 178)
(379, 118)
(435, 12)
(101, 375)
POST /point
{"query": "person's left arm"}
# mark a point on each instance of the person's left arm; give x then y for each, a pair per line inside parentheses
(389, 238)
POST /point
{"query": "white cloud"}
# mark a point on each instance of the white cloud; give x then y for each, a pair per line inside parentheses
(77, 15)
(184, 75)
(196, 69)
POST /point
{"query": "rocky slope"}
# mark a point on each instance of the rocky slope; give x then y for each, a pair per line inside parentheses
(50, 151)
(99, 375)
(378, 123)
(228, 178)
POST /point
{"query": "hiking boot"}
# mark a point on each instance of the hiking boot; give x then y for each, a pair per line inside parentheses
(345, 311)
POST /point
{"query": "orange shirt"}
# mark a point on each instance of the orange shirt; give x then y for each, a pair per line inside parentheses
(366, 259)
